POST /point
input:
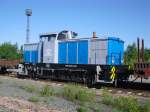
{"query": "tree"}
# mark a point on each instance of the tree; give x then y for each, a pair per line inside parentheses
(147, 55)
(21, 49)
(16, 46)
(9, 51)
(130, 55)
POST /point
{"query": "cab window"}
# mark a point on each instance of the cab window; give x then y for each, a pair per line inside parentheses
(63, 35)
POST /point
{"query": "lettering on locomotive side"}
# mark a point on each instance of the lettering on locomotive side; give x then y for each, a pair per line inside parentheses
(71, 66)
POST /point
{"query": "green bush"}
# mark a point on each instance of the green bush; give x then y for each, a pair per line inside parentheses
(146, 107)
(47, 91)
(76, 92)
(33, 99)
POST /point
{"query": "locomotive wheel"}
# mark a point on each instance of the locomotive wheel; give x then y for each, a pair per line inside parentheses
(18, 75)
(90, 82)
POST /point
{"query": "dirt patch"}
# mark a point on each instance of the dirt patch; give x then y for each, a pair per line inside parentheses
(17, 105)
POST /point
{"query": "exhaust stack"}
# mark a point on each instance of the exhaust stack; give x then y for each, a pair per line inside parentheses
(94, 35)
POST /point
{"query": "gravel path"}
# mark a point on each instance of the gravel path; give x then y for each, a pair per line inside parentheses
(10, 91)
(16, 105)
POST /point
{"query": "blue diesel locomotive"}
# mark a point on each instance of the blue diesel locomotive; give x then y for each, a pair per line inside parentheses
(63, 56)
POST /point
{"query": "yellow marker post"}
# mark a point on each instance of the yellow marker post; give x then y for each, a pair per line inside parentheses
(113, 69)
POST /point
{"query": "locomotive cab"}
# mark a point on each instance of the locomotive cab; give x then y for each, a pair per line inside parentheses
(48, 45)
(52, 36)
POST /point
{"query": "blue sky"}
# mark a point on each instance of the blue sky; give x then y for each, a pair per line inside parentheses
(126, 19)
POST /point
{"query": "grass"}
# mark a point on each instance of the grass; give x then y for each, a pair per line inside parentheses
(76, 92)
(1, 82)
(95, 106)
(106, 97)
(33, 99)
(47, 91)
(83, 95)
(71, 92)
(82, 109)
(28, 88)
(115, 110)
(146, 107)
(127, 104)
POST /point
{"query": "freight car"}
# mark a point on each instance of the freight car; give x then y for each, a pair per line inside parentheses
(8, 63)
(141, 68)
(62, 56)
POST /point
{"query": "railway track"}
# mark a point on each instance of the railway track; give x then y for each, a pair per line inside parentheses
(129, 90)
(133, 92)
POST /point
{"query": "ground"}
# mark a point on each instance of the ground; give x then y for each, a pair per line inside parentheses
(14, 104)
(23, 95)
(14, 97)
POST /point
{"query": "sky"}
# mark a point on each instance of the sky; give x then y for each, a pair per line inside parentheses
(126, 19)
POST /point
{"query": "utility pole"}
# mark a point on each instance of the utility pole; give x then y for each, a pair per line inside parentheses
(28, 13)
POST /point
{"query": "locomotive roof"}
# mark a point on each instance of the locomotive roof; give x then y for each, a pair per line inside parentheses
(47, 34)
(97, 38)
